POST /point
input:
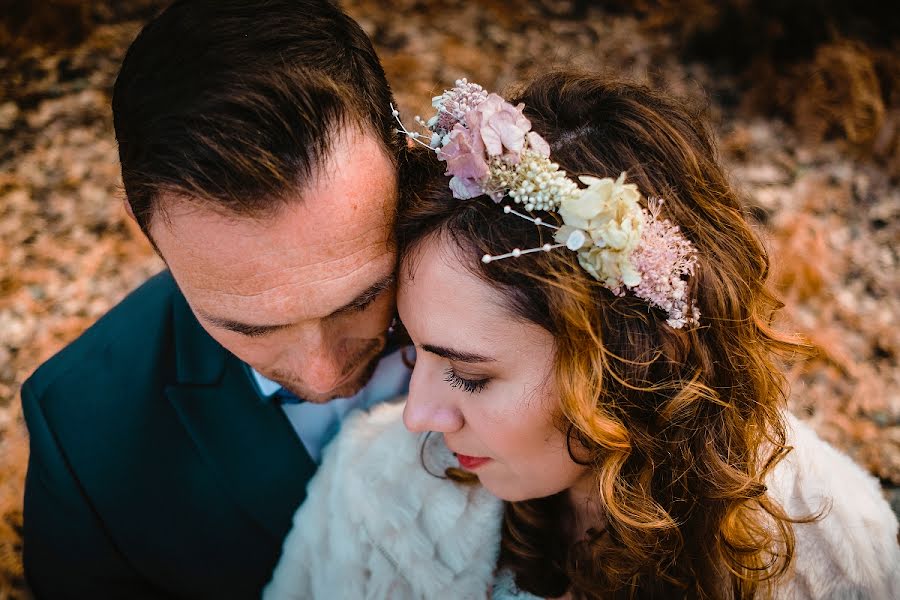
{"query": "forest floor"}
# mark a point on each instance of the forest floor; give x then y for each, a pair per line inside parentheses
(830, 213)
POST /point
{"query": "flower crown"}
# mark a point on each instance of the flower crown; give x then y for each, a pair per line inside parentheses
(490, 149)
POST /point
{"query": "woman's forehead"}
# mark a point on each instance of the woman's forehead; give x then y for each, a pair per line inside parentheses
(440, 296)
(435, 269)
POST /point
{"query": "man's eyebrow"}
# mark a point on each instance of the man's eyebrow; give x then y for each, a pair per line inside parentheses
(242, 328)
(457, 355)
(366, 297)
(247, 329)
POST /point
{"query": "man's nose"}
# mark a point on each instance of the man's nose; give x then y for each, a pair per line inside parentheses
(322, 373)
(427, 408)
(320, 365)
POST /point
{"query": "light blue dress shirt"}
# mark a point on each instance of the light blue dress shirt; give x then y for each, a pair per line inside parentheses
(317, 424)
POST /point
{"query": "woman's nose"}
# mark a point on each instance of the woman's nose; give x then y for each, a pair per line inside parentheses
(428, 410)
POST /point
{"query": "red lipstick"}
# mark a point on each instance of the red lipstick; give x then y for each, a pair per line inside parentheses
(470, 463)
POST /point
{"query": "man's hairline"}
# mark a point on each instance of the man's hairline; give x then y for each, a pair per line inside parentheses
(179, 195)
(278, 206)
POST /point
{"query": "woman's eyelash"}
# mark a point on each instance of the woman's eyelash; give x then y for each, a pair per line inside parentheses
(472, 386)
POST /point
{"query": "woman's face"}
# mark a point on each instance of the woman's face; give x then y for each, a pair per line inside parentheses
(483, 378)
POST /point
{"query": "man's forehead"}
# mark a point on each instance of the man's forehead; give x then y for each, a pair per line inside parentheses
(357, 161)
(333, 237)
(213, 246)
(240, 267)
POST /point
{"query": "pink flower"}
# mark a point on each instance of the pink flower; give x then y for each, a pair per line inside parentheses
(464, 154)
(665, 259)
(491, 128)
(464, 189)
(538, 144)
(453, 105)
(501, 126)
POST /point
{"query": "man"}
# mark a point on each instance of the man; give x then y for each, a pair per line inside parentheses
(169, 443)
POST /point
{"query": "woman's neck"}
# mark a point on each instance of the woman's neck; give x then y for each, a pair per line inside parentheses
(587, 510)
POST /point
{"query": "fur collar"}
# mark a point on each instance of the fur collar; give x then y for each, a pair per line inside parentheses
(377, 525)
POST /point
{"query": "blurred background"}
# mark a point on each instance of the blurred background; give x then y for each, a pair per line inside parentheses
(804, 96)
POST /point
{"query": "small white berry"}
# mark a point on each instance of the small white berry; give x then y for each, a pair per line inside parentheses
(576, 239)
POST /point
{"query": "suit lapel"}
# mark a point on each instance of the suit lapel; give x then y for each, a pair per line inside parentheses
(250, 444)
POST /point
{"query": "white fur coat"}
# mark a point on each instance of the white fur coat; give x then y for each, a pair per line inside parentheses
(376, 525)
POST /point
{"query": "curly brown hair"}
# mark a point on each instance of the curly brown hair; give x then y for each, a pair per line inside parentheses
(679, 427)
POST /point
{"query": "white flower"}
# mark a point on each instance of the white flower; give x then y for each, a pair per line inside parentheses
(535, 181)
(609, 212)
(609, 266)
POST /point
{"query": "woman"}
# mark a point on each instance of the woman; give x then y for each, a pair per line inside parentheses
(600, 362)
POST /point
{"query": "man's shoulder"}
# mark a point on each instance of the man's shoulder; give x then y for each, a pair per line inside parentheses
(132, 330)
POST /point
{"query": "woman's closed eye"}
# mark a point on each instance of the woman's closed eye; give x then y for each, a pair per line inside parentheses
(472, 386)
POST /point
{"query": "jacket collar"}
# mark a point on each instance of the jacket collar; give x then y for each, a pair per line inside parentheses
(199, 359)
(250, 444)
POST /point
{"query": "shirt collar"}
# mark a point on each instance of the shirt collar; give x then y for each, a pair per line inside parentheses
(265, 386)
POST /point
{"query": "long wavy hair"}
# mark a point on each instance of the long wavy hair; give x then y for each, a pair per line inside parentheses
(679, 427)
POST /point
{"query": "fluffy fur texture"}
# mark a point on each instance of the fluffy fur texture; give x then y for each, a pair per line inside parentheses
(377, 525)
(852, 552)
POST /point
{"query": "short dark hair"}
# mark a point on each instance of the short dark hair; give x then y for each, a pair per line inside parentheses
(234, 102)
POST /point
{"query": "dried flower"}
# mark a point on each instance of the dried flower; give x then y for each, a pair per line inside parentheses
(535, 181)
(665, 258)
(608, 210)
(609, 213)
(453, 105)
(490, 149)
(501, 126)
(464, 155)
(538, 144)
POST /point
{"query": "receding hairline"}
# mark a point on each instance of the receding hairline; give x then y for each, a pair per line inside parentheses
(169, 197)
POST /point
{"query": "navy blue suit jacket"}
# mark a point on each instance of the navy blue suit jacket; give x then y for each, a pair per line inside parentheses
(155, 469)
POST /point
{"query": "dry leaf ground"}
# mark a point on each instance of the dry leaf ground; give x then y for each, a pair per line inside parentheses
(829, 209)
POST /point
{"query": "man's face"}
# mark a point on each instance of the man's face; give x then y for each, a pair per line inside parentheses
(304, 297)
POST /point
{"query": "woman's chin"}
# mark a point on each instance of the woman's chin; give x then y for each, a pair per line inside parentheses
(511, 493)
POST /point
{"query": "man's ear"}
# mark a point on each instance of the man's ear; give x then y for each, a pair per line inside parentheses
(136, 229)
(128, 209)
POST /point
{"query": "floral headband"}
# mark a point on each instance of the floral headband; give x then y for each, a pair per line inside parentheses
(490, 149)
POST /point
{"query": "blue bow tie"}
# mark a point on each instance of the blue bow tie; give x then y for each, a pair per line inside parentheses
(283, 396)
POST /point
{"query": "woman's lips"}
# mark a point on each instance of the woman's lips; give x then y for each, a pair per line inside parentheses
(471, 463)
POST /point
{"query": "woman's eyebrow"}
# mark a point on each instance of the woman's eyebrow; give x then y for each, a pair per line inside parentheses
(457, 355)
